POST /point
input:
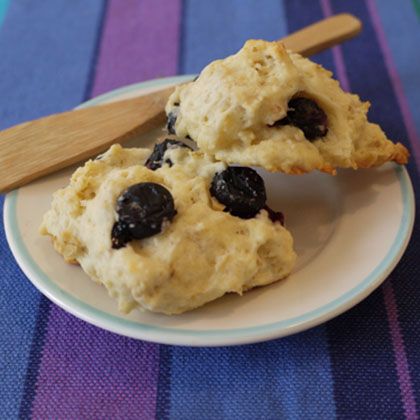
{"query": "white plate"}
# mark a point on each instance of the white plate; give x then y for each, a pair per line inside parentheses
(350, 231)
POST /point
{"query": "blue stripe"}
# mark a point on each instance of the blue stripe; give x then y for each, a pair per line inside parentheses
(163, 397)
(95, 52)
(217, 28)
(269, 380)
(34, 359)
(366, 382)
(301, 13)
(286, 378)
(45, 54)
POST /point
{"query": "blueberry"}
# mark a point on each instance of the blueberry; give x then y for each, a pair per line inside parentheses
(275, 216)
(241, 190)
(306, 114)
(155, 160)
(172, 116)
(142, 209)
(120, 235)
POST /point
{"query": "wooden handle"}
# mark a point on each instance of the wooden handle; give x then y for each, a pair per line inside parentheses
(36, 148)
(323, 34)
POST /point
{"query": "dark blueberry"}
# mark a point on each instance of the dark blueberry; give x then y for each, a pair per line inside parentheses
(305, 114)
(170, 124)
(275, 216)
(241, 190)
(143, 208)
(155, 160)
(120, 235)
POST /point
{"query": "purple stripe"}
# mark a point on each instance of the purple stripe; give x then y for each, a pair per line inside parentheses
(337, 52)
(395, 80)
(85, 371)
(401, 362)
(90, 373)
(140, 42)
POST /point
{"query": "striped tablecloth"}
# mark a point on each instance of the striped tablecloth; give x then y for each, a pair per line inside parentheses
(55, 54)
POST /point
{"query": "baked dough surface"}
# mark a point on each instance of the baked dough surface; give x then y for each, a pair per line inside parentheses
(230, 109)
(201, 255)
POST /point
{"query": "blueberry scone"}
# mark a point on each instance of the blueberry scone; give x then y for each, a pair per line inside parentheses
(171, 230)
(269, 107)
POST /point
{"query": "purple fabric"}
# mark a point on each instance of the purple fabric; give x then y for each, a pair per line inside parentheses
(92, 373)
(139, 42)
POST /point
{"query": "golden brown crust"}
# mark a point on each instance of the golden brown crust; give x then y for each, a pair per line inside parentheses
(397, 153)
(295, 170)
(401, 154)
(329, 169)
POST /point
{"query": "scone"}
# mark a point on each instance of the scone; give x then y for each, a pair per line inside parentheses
(268, 107)
(171, 231)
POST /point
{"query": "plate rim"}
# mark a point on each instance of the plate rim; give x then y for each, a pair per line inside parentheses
(212, 337)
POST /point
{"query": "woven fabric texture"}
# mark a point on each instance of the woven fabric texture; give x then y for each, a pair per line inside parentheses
(365, 364)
